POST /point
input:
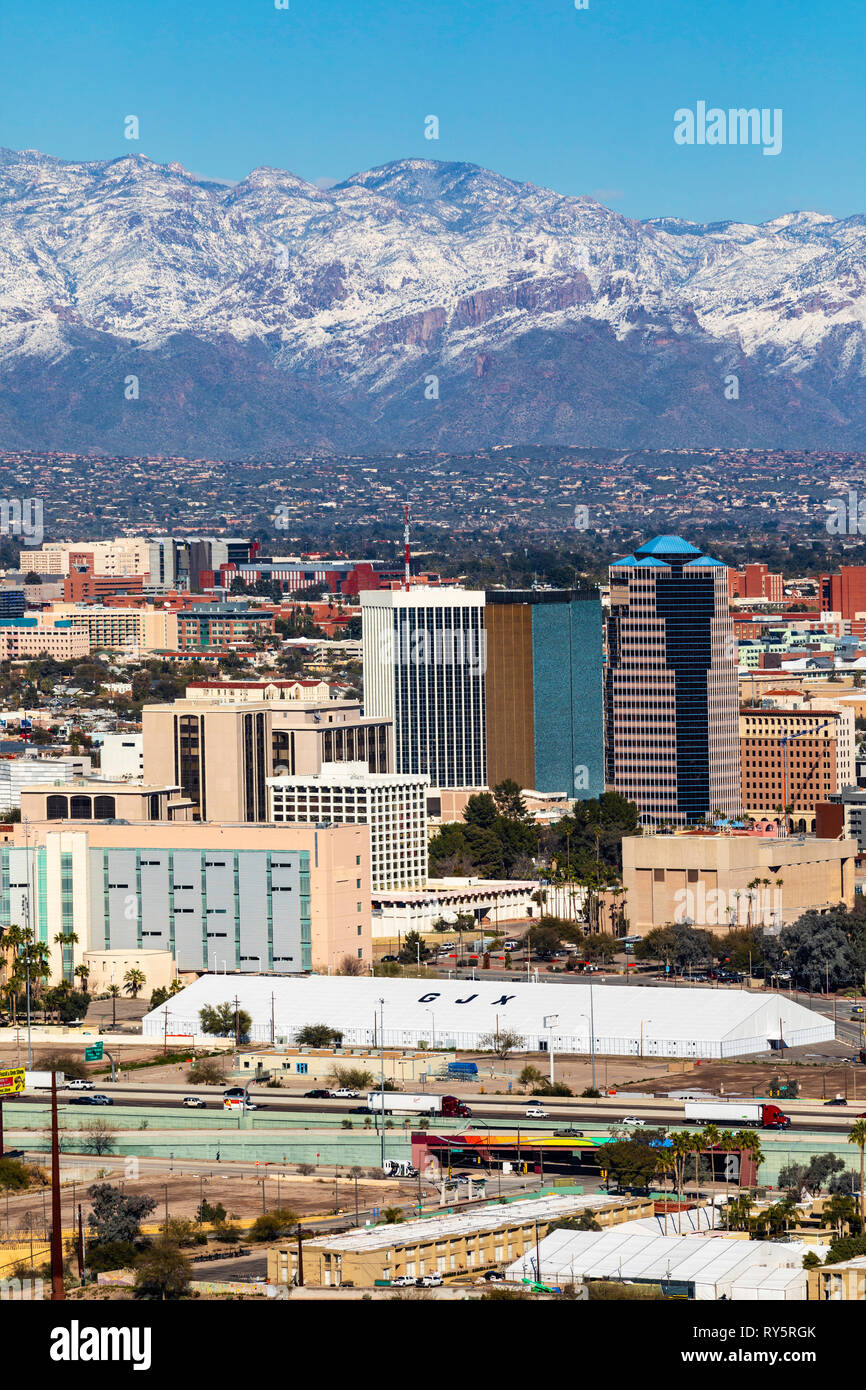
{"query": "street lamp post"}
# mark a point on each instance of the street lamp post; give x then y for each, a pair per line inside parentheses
(550, 1022)
(382, 1090)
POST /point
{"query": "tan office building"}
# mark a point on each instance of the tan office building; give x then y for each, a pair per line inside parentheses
(222, 755)
(704, 878)
(286, 898)
(795, 752)
(91, 799)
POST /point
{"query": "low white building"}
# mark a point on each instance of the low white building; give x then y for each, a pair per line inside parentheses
(18, 773)
(496, 902)
(699, 1023)
(393, 804)
(121, 756)
(701, 1267)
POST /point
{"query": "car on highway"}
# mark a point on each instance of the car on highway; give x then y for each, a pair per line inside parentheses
(857, 1009)
(91, 1100)
(633, 1122)
(568, 1134)
(76, 1084)
(836, 1100)
(535, 1112)
(194, 1103)
(317, 1095)
(344, 1093)
(234, 1093)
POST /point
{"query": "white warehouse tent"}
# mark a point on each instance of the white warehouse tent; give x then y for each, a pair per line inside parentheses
(628, 1020)
(706, 1268)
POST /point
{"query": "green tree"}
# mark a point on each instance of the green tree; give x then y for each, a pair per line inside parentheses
(413, 948)
(318, 1035)
(501, 1043)
(530, 1076)
(272, 1224)
(163, 1272)
(481, 810)
(509, 800)
(631, 1163)
(117, 1215)
(225, 1020)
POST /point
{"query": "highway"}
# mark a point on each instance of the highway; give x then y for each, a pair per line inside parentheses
(509, 1112)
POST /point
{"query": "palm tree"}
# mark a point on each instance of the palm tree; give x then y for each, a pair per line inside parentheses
(133, 981)
(858, 1136)
(682, 1145)
(113, 992)
(65, 938)
(83, 973)
(711, 1137)
(747, 1141)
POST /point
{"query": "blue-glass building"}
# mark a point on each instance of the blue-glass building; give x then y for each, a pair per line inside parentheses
(544, 701)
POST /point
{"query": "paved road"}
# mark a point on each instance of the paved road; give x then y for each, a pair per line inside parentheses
(509, 1113)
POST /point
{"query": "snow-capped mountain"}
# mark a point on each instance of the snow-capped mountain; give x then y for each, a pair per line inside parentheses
(415, 304)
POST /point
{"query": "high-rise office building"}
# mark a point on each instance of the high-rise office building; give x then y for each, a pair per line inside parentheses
(392, 804)
(544, 707)
(222, 754)
(671, 706)
(424, 665)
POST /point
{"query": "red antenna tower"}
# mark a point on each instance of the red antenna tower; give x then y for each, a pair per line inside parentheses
(406, 573)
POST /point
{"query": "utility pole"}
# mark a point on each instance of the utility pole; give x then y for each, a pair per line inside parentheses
(58, 1292)
(80, 1243)
(300, 1259)
(382, 1092)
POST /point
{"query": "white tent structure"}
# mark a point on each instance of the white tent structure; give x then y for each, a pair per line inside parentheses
(704, 1267)
(627, 1020)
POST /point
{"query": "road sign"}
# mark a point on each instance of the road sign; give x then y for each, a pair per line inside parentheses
(11, 1082)
(93, 1053)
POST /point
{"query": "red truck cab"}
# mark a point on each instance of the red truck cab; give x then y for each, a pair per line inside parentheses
(774, 1118)
(451, 1106)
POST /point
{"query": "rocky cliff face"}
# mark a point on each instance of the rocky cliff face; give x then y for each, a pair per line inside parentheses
(277, 315)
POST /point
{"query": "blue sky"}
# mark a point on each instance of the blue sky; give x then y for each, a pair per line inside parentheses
(581, 101)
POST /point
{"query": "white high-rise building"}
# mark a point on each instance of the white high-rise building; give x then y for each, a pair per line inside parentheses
(392, 804)
(424, 668)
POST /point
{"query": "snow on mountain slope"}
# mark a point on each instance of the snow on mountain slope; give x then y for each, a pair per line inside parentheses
(411, 267)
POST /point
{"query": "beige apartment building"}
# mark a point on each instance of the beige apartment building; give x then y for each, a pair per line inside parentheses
(43, 639)
(127, 555)
(464, 1242)
(141, 629)
(717, 880)
(222, 754)
(285, 898)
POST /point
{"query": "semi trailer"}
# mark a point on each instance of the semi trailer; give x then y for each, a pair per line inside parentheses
(737, 1112)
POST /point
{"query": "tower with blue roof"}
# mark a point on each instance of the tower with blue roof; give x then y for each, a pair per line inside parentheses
(671, 694)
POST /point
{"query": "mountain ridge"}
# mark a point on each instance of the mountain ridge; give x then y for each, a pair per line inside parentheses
(420, 303)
